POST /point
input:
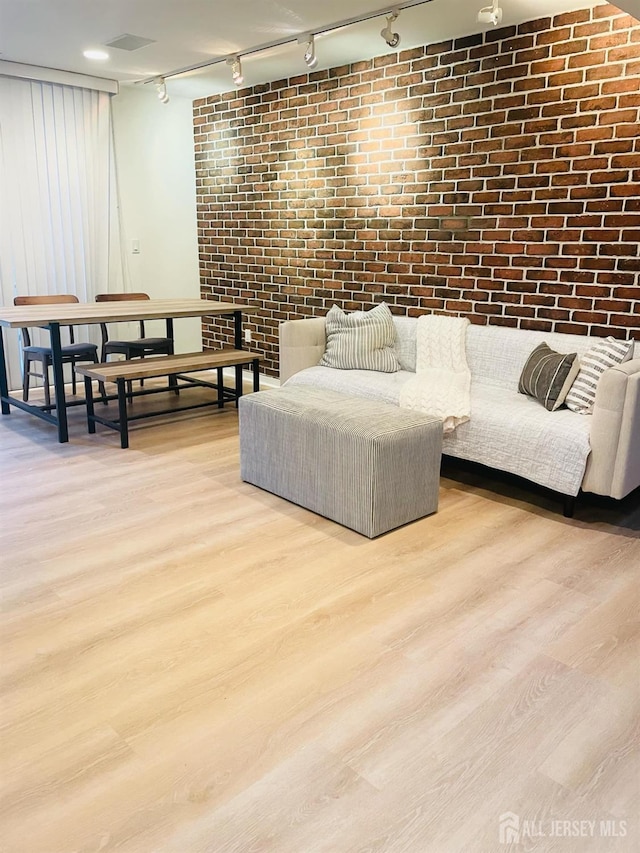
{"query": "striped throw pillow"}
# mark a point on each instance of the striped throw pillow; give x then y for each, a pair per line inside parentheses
(363, 340)
(605, 354)
(548, 375)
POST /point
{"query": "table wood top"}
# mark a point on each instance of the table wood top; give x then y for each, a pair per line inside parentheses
(78, 313)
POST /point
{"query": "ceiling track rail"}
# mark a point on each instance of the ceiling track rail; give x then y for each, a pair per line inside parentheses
(290, 39)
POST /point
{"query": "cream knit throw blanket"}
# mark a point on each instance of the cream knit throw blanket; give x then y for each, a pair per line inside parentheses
(442, 381)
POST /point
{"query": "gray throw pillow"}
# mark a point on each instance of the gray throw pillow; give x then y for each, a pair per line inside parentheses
(548, 376)
(363, 340)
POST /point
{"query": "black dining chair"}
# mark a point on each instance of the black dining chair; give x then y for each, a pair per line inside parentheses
(136, 348)
(72, 354)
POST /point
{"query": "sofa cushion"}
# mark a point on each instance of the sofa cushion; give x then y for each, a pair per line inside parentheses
(512, 432)
(548, 375)
(358, 383)
(507, 431)
(362, 340)
(607, 353)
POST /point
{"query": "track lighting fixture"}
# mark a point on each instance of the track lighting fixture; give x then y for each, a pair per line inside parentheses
(391, 38)
(310, 53)
(161, 88)
(236, 70)
(490, 14)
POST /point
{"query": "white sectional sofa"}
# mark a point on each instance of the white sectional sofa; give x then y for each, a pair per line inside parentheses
(561, 450)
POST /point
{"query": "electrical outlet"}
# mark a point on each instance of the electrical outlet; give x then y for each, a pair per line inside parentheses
(247, 336)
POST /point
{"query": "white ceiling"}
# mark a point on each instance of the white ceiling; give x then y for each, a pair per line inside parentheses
(53, 34)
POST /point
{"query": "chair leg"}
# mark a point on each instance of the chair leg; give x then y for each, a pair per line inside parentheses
(102, 387)
(128, 355)
(45, 381)
(25, 379)
(73, 378)
(142, 380)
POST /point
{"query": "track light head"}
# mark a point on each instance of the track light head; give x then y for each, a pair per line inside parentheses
(161, 88)
(391, 38)
(310, 53)
(490, 14)
(236, 70)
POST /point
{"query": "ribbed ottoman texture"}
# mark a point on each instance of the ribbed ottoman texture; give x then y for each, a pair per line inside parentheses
(367, 465)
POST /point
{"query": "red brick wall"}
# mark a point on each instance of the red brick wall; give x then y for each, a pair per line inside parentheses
(496, 177)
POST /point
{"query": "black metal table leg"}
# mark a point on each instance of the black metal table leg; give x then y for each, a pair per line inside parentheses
(256, 374)
(58, 382)
(122, 413)
(172, 379)
(88, 393)
(169, 324)
(238, 383)
(220, 384)
(4, 382)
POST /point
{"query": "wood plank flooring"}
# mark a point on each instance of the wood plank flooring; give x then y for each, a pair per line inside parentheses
(192, 665)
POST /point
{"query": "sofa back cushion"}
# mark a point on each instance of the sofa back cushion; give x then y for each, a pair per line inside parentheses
(406, 342)
(495, 354)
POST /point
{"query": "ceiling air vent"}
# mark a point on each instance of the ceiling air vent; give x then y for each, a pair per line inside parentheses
(129, 42)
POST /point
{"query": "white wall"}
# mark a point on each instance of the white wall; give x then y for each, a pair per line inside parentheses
(157, 184)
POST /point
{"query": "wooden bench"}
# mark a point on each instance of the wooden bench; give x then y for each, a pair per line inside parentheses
(175, 367)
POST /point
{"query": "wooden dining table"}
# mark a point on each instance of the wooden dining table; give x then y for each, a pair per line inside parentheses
(53, 317)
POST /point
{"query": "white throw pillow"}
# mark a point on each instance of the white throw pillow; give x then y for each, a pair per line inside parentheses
(605, 354)
(363, 340)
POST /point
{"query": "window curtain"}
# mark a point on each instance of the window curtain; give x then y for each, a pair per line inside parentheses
(59, 220)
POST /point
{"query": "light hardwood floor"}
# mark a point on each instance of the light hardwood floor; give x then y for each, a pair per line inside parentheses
(191, 664)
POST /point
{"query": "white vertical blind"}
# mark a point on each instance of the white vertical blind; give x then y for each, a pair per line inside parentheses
(59, 230)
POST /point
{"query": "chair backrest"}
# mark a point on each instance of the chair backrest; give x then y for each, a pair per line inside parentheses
(120, 297)
(51, 299)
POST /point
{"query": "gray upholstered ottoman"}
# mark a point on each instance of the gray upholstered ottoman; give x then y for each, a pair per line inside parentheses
(368, 465)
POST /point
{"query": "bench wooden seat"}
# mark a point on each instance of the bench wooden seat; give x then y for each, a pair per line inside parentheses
(174, 366)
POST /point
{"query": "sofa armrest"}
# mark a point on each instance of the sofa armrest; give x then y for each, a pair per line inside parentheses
(613, 468)
(302, 344)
